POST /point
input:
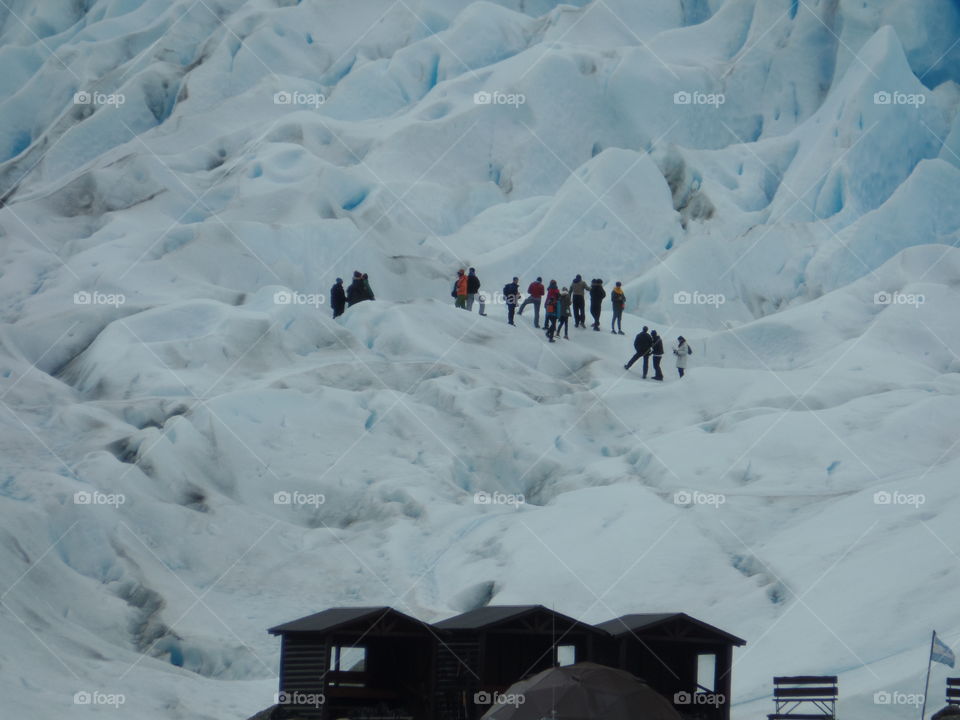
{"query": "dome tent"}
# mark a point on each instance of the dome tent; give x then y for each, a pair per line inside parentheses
(585, 691)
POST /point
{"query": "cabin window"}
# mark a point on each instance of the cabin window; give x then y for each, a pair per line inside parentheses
(348, 665)
(707, 672)
(566, 654)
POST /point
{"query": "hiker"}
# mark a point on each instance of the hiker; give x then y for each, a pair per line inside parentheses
(367, 290)
(597, 294)
(552, 307)
(618, 300)
(356, 292)
(534, 293)
(657, 351)
(511, 293)
(682, 350)
(564, 313)
(577, 288)
(643, 344)
(338, 298)
(459, 292)
(473, 287)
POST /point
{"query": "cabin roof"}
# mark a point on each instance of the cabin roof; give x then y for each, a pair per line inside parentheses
(336, 618)
(642, 622)
(492, 615)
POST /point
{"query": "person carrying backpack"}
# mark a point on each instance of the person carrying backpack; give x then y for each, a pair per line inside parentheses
(642, 344)
(511, 293)
(552, 307)
(459, 292)
(657, 351)
(564, 313)
(618, 300)
(577, 288)
(682, 350)
(534, 293)
(367, 290)
(356, 292)
(597, 294)
(338, 298)
(473, 287)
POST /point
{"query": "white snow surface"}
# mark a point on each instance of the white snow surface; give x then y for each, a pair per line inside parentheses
(185, 390)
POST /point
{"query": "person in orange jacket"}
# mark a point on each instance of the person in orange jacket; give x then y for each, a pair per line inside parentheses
(460, 289)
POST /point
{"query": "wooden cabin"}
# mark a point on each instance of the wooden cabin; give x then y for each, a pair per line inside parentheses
(356, 662)
(684, 659)
(375, 663)
(488, 649)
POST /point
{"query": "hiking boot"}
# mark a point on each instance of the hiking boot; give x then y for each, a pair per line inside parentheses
(621, 332)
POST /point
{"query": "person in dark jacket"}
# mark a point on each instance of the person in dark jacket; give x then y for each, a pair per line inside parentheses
(511, 294)
(473, 287)
(534, 293)
(356, 292)
(642, 344)
(597, 294)
(338, 298)
(619, 301)
(564, 323)
(577, 289)
(657, 352)
(367, 290)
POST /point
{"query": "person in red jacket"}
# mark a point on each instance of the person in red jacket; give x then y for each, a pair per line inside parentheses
(460, 289)
(534, 294)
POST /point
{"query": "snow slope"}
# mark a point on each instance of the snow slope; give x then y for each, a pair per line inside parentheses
(193, 450)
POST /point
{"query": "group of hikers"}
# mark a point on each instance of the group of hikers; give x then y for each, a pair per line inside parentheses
(558, 305)
(358, 291)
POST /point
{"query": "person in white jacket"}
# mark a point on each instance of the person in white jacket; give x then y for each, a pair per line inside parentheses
(682, 351)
